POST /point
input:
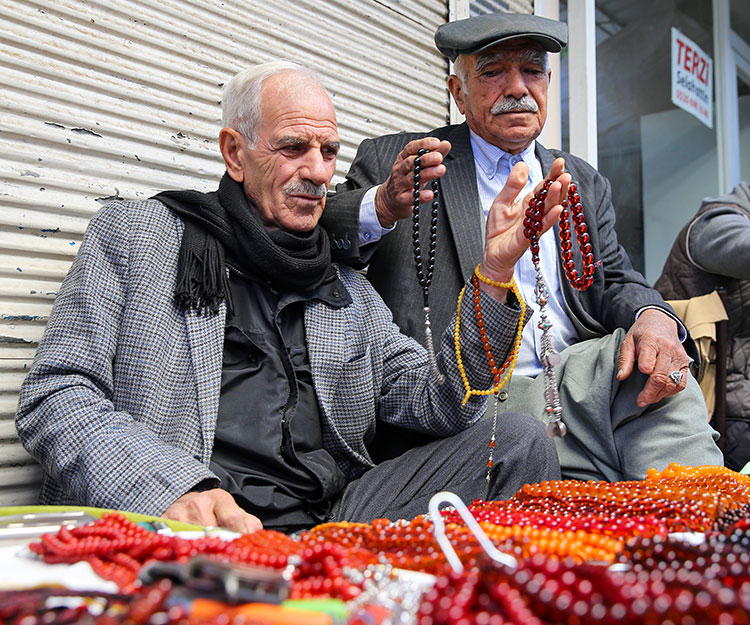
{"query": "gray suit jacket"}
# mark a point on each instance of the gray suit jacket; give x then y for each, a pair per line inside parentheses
(618, 290)
(121, 402)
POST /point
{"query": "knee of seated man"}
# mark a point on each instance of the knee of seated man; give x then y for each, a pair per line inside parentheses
(520, 434)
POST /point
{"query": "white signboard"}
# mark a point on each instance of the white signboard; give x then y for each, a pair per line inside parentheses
(692, 78)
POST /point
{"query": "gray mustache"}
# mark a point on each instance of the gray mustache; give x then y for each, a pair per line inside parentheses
(304, 187)
(524, 104)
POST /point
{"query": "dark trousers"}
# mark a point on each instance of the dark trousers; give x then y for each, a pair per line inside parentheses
(401, 488)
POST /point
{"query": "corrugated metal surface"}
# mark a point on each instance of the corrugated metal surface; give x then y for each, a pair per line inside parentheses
(119, 98)
(482, 7)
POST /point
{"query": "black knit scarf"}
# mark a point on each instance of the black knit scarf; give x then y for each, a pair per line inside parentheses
(224, 224)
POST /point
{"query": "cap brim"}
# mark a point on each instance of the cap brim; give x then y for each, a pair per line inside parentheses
(550, 44)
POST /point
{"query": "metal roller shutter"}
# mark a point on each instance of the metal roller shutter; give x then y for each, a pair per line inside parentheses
(119, 98)
(482, 7)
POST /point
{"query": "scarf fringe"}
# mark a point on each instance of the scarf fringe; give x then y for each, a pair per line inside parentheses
(225, 223)
(202, 284)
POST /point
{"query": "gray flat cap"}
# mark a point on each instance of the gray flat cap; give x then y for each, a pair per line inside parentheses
(474, 34)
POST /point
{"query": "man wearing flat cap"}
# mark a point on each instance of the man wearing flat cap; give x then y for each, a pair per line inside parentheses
(628, 400)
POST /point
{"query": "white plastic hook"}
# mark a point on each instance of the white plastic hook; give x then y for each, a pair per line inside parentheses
(439, 531)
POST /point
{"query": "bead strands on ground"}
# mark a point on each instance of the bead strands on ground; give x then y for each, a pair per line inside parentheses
(549, 357)
(424, 274)
(574, 543)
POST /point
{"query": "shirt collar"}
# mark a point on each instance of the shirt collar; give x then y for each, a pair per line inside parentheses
(493, 161)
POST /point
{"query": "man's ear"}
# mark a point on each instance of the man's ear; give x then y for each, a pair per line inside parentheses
(233, 145)
(456, 87)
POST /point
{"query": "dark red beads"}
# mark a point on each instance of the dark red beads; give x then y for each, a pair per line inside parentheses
(572, 211)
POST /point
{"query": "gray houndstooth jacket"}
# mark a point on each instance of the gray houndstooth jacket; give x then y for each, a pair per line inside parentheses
(121, 401)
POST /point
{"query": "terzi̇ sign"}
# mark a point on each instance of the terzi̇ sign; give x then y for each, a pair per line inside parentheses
(692, 78)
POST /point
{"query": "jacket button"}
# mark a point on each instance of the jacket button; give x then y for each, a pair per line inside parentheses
(502, 395)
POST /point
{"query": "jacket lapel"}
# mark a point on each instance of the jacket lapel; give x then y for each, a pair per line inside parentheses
(206, 340)
(461, 199)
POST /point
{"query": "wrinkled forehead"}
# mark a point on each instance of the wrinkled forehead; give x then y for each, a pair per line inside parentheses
(520, 51)
(303, 106)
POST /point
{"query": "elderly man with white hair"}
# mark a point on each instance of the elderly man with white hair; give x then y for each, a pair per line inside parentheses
(206, 361)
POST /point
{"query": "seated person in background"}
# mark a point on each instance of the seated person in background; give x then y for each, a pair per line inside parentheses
(627, 399)
(711, 251)
(206, 361)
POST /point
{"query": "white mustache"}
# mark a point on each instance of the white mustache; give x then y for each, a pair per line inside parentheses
(303, 187)
(524, 104)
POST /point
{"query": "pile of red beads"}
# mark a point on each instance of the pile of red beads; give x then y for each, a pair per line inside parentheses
(412, 545)
(117, 548)
(549, 591)
(586, 521)
(55, 606)
(321, 571)
(586, 551)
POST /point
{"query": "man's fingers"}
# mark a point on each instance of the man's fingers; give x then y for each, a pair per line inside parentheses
(649, 395)
(432, 144)
(212, 507)
(431, 163)
(654, 389)
(230, 516)
(647, 355)
(668, 378)
(195, 508)
(252, 524)
(557, 169)
(514, 185)
(394, 199)
(627, 358)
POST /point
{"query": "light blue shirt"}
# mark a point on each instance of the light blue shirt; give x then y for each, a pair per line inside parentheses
(370, 229)
(493, 167)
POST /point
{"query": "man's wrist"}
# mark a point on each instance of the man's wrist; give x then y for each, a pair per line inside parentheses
(495, 283)
(370, 229)
(385, 217)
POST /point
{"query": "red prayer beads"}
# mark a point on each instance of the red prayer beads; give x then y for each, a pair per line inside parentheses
(117, 548)
(572, 209)
(53, 606)
(563, 534)
(546, 591)
(532, 224)
(320, 573)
